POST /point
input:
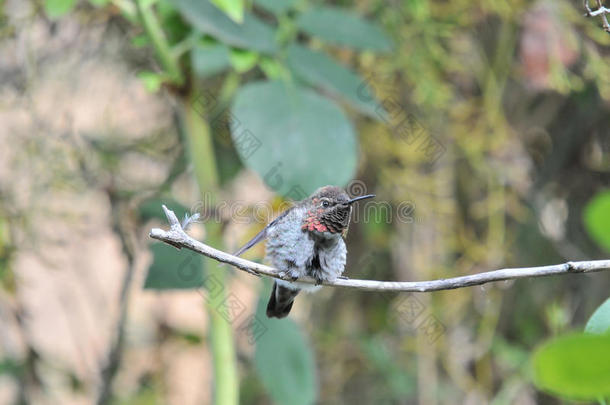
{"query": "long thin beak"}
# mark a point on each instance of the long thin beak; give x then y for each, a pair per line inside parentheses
(362, 197)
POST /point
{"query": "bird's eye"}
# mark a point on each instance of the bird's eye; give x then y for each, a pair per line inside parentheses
(325, 204)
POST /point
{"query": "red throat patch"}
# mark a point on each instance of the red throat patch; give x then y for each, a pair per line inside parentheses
(312, 223)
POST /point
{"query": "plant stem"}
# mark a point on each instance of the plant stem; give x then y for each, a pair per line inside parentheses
(155, 34)
(199, 141)
(200, 147)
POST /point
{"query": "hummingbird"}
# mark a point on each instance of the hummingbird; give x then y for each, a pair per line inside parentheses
(306, 240)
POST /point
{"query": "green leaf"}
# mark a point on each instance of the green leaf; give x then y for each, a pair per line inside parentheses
(277, 7)
(10, 367)
(273, 69)
(190, 337)
(152, 81)
(210, 60)
(99, 3)
(319, 69)
(233, 8)
(173, 269)
(295, 139)
(599, 323)
(175, 28)
(284, 361)
(597, 219)
(340, 27)
(251, 34)
(58, 8)
(242, 61)
(140, 41)
(574, 366)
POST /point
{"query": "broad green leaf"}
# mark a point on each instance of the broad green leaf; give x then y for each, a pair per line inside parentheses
(242, 61)
(295, 139)
(210, 60)
(233, 8)
(340, 27)
(320, 70)
(58, 8)
(599, 322)
(574, 366)
(284, 360)
(99, 3)
(251, 34)
(597, 219)
(173, 269)
(277, 7)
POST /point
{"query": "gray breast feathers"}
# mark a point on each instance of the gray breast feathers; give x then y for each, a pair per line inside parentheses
(288, 247)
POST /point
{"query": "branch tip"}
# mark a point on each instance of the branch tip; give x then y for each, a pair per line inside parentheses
(171, 217)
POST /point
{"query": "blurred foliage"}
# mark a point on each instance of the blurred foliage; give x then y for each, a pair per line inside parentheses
(172, 269)
(233, 8)
(577, 366)
(600, 320)
(597, 219)
(57, 8)
(283, 360)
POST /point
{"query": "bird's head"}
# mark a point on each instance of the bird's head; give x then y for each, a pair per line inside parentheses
(329, 209)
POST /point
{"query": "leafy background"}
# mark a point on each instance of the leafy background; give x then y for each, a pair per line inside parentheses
(481, 126)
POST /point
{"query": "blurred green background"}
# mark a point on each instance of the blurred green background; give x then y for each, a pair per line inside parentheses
(483, 127)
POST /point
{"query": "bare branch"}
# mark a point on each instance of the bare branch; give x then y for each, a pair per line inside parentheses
(601, 11)
(178, 238)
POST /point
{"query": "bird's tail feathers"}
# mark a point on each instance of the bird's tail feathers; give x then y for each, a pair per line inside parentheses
(281, 300)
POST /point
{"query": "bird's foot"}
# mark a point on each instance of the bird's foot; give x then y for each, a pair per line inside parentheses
(343, 278)
(291, 274)
(317, 276)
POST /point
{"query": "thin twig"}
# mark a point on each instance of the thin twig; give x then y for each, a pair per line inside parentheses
(601, 11)
(115, 351)
(179, 239)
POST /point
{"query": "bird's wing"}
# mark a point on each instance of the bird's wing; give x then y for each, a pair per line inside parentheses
(262, 235)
